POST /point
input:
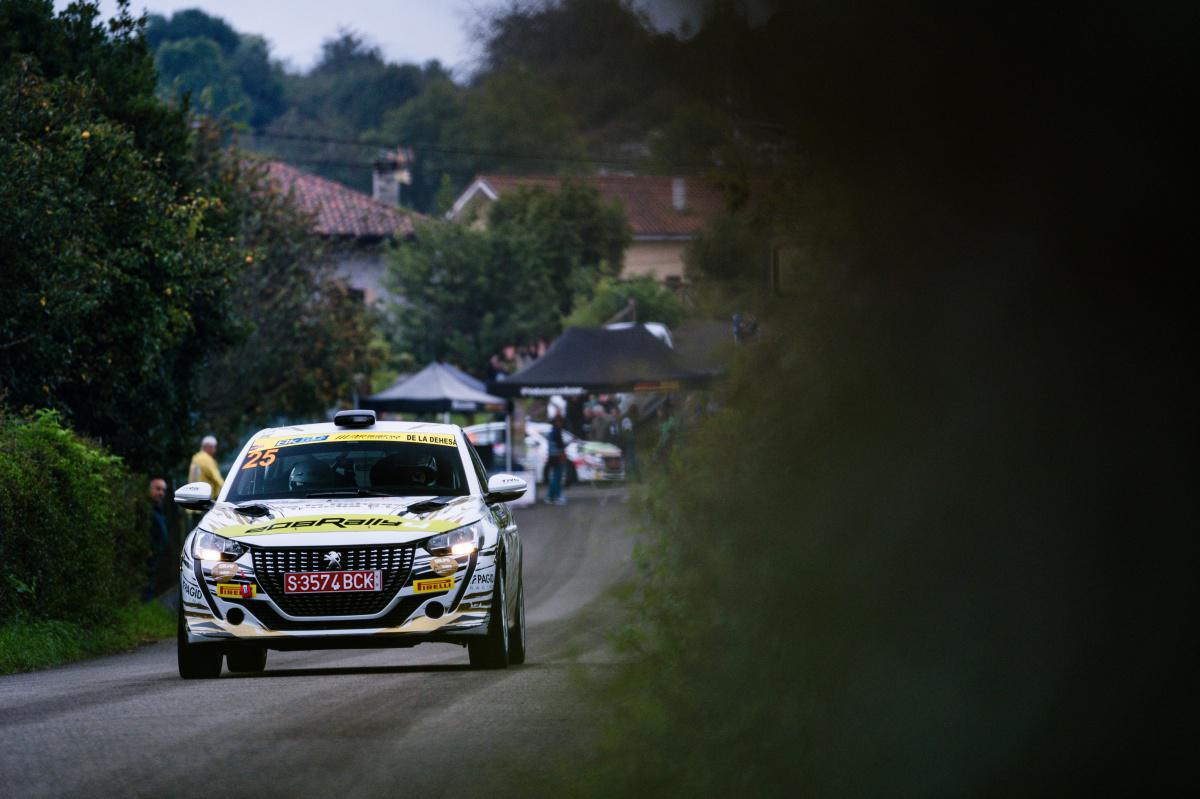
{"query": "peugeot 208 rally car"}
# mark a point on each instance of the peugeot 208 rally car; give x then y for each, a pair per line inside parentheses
(352, 534)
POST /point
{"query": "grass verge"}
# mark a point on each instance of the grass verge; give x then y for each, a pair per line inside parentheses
(27, 645)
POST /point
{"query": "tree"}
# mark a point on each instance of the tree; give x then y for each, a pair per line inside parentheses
(578, 237)
(467, 293)
(302, 336)
(115, 284)
(652, 301)
(196, 68)
(729, 249)
(191, 23)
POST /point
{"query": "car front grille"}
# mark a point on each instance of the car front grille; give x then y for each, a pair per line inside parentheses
(271, 564)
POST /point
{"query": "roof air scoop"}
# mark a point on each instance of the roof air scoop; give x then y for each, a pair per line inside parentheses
(354, 418)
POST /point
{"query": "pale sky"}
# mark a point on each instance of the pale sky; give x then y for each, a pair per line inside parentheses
(405, 30)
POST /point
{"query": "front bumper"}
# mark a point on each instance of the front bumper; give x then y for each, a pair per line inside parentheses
(408, 616)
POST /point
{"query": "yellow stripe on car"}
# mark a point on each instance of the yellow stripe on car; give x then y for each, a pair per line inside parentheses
(342, 522)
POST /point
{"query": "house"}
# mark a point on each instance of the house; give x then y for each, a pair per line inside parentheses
(664, 213)
(357, 226)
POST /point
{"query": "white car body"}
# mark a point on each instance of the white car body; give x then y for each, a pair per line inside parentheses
(587, 461)
(280, 584)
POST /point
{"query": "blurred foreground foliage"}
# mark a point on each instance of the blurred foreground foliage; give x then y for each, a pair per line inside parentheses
(936, 539)
(73, 525)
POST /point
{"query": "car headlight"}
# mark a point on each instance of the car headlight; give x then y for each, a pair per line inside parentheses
(462, 541)
(207, 546)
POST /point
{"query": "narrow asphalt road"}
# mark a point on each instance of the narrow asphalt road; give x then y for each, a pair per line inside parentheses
(389, 722)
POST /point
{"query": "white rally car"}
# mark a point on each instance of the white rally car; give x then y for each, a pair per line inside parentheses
(351, 534)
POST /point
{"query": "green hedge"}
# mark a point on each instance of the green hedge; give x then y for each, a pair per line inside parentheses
(73, 524)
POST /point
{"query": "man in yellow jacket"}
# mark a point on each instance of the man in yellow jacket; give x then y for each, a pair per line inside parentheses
(204, 466)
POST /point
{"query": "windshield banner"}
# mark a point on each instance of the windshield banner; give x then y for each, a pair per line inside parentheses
(275, 442)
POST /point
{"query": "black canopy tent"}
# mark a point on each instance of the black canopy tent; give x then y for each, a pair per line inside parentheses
(438, 388)
(593, 360)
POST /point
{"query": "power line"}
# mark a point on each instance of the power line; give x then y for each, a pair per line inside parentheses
(473, 153)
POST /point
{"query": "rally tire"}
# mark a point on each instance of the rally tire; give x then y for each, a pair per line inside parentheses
(516, 635)
(491, 651)
(196, 661)
(247, 659)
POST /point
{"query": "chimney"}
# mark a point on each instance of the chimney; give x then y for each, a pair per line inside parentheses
(384, 186)
(679, 194)
(390, 171)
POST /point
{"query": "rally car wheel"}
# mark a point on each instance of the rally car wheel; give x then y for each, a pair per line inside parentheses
(196, 661)
(247, 659)
(491, 651)
(516, 636)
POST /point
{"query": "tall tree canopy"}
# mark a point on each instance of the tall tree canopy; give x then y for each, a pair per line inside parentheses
(467, 292)
(116, 250)
(156, 286)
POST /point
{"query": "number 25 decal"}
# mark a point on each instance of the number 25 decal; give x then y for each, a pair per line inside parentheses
(260, 457)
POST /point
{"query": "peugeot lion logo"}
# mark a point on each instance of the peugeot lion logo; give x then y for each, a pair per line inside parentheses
(333, 559)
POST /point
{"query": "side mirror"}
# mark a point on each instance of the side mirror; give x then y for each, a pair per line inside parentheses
(194, 496)
(505, 488)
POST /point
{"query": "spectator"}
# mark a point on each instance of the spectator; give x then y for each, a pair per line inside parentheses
(158, 536)
(628, 438)
(204, 467)
(556, 455)
(575, 415)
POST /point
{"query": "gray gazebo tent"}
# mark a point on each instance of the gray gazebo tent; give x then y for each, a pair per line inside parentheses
(438, 388)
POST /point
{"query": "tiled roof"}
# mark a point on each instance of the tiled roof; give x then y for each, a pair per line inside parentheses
(339, 210)
(647, 199)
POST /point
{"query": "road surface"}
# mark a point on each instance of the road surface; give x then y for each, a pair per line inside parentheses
(400, 722)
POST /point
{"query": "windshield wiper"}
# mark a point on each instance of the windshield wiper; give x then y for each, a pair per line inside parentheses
(429, 504)
(349, 492)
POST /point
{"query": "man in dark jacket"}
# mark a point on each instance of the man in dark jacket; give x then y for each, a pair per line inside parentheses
(158, 535)
(556, 454)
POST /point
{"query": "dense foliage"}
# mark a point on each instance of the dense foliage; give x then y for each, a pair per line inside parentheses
(936, 538)
(73, 524)
(644, 298)
(116, 251)
(561, 87)
(153, 275)
(301, 338)
(223, 72)
(467, 293)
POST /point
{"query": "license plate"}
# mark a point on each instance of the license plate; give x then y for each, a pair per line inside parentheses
(332, 582)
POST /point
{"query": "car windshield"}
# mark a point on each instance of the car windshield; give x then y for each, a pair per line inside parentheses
(349, 467)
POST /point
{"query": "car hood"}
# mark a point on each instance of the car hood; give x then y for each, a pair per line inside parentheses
(291, 523)
(600, 449)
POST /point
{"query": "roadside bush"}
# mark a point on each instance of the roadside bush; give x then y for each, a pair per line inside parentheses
(72, 524)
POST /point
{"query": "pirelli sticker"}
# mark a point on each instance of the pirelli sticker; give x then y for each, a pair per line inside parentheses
(276, 442)
(345, 522)
(236, 591)
(433, 586)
